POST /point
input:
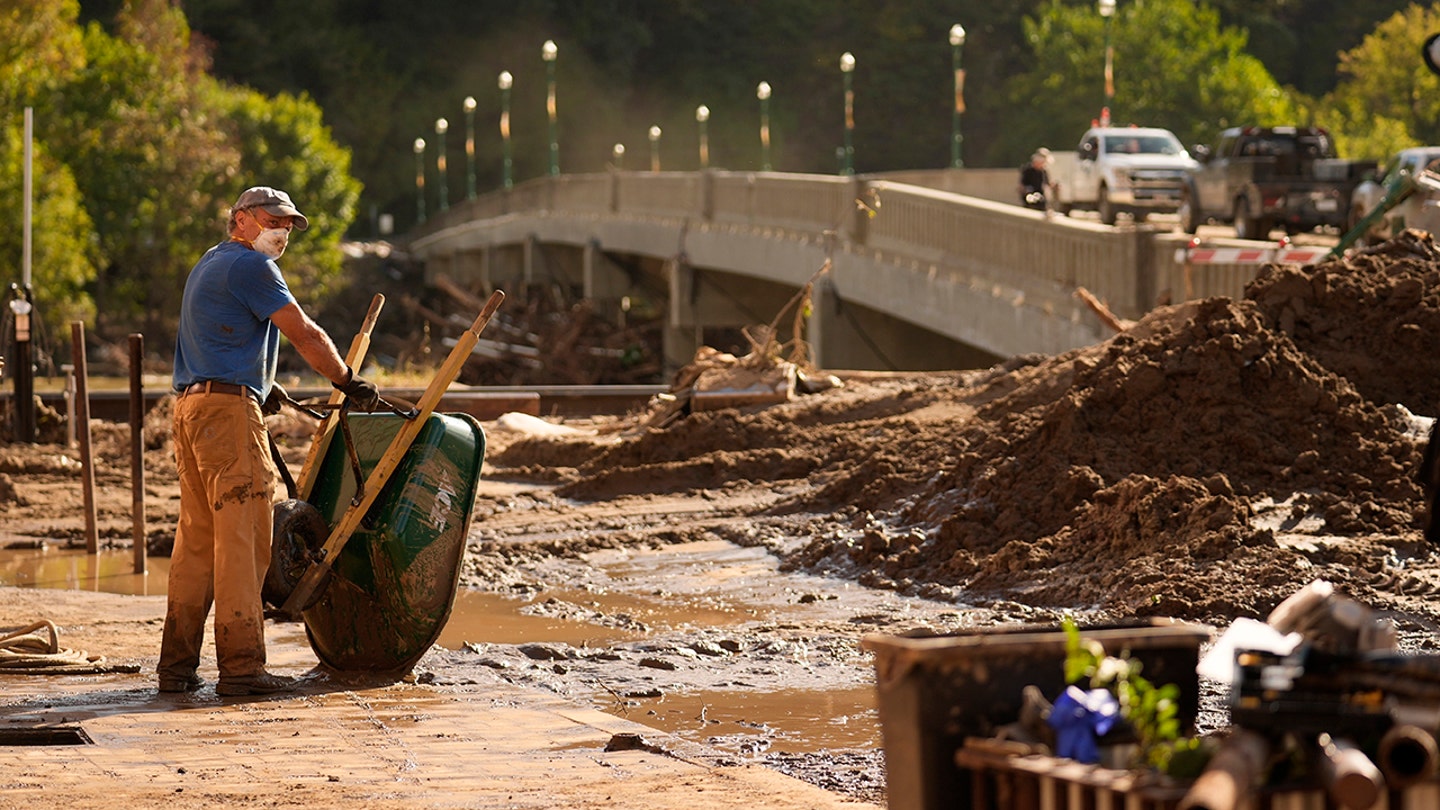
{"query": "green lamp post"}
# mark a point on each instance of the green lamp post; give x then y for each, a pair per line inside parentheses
(957, 42)
(469, 147)
(762, 92)
(1107, 10)
(441, 127)
(847, 69)
(702, 118)
(549, 51)
(505, 81)
(419, 179)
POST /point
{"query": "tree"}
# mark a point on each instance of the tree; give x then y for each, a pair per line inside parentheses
(283, 142)
(41, 49)
(159, 149)
(1299, 40)
(148, 159)
(1387, 99)
(1174, 67)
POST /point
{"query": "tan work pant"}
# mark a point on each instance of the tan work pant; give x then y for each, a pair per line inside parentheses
(222, 541)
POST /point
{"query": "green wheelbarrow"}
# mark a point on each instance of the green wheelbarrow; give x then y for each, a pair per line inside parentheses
(369, 555)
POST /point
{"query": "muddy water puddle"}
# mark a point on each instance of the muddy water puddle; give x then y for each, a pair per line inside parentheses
(709, 585)
(795, 721)
(75, 570)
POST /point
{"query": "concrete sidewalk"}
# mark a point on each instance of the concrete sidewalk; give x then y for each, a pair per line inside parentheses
(483, 743)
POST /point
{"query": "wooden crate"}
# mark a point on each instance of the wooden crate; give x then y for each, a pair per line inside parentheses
(999, 781)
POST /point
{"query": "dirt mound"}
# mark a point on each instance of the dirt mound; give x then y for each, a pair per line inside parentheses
(1371, 318)
(1204, 463)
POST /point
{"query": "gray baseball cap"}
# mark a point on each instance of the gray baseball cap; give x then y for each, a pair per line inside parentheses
(272, 200)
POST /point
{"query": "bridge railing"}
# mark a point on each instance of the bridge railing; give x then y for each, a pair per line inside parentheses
(981, 237)
(1129, 268)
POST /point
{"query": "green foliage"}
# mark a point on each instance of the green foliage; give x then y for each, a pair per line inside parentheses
(40, 49)
(1386, 98)
(1298, 39)
(141, 152)
(1151, 711)
(284, 142)
(148, 161)
(1209, 82)
(62, 255)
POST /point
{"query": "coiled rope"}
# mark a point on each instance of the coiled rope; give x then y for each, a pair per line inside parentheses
(35, 650)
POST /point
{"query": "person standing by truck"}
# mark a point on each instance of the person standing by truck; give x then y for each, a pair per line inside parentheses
(1035, 185)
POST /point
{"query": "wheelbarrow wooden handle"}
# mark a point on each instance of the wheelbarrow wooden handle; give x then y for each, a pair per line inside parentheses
(359, 347)
(388, 462)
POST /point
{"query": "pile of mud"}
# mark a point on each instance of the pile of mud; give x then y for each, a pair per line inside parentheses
(1204, 463)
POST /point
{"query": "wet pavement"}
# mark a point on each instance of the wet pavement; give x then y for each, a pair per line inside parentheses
(485, 743)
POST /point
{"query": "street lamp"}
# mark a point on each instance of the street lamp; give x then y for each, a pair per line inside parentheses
(702, 116)
(654, 148)
(762, 92)
(1107, 10)
(505, 81)
(470, 147)
(419, 179)
(549, 52)
(847, 68)
(441, 127)
(617, 156)
(957, 41)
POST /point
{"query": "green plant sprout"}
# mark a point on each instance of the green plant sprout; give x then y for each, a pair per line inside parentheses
(1152, 712)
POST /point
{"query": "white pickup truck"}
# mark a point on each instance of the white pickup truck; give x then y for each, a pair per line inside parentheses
(1137, 170)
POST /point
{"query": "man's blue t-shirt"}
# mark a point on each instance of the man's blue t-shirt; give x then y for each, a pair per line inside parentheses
(225, 331)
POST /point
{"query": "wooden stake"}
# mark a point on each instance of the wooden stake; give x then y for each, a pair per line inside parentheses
(137, 451)
(82, 433)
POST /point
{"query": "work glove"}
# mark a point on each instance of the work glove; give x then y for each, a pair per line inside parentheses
(362, 393)
(274, 400)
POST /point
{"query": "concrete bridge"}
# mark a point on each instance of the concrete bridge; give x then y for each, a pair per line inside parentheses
(924, 270)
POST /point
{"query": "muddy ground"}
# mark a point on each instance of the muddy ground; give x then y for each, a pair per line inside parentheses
(1203, 464)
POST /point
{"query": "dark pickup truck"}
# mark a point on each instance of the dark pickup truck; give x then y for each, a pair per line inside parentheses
(1261, 178)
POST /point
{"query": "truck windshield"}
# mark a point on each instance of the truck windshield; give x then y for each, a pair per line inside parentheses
(1141, 145)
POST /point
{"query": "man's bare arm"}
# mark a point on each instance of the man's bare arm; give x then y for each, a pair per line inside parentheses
(311, 342)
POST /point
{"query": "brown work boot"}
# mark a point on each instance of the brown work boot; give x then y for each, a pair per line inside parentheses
(189, 683)
(261, 683)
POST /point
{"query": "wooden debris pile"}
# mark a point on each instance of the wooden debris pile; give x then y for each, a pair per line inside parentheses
(772, 372)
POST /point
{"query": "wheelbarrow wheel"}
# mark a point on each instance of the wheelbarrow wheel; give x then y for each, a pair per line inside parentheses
(299, 532)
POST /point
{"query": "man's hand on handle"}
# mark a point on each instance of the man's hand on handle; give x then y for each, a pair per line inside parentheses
(362, 393)
(274, 400)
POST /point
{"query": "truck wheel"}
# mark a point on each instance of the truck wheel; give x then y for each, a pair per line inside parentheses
(1246, 226)
(1103, 205)
(1189, 221)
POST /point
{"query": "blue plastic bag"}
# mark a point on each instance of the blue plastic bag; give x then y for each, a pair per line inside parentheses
(1079, 718)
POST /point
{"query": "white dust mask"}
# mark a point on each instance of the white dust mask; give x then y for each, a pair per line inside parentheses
(272, 241)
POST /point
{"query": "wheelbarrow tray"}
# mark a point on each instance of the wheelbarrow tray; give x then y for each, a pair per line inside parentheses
(393, 584)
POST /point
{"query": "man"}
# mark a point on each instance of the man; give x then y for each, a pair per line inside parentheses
(1035, 185)
(235, 307)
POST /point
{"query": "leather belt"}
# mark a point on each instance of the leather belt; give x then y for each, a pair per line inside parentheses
(213, 387)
